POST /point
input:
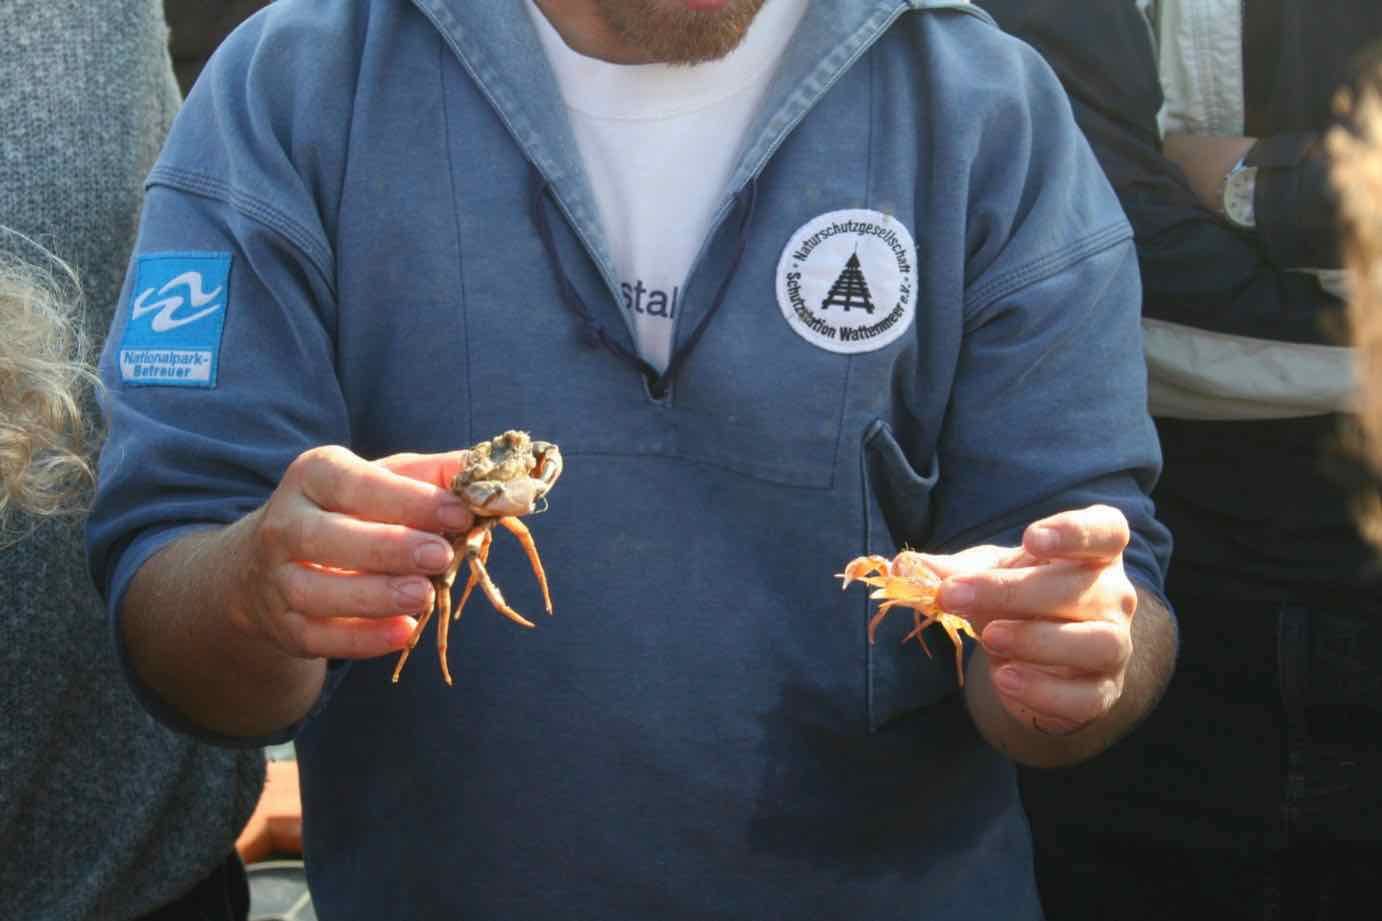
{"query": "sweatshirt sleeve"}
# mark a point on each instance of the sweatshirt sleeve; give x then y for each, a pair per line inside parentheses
(220, 366)
(1048, 411)
(218, 372)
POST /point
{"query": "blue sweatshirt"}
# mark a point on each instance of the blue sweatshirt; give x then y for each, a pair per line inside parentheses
(371, 227)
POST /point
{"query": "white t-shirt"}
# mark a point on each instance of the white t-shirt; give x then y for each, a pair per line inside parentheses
(659, 144)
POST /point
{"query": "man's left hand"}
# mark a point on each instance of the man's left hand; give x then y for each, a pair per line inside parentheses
(1054, 616)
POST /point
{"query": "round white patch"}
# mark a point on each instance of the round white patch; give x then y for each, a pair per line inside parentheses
(847, 281)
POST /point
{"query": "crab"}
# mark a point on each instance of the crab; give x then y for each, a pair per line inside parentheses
(499, 479)
(907, 581)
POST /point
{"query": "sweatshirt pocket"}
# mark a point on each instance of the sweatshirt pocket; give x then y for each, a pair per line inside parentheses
(897, 502)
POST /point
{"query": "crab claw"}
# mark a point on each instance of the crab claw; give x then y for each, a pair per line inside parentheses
(862, 567)
(549, 463)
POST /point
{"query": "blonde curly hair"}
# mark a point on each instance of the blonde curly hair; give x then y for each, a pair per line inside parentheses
(45, 433)
(1356, 157)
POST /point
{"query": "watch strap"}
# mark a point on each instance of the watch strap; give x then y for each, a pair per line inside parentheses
(1282, 150)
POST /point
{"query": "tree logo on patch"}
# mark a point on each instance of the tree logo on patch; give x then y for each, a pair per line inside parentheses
(851, 289)
(847, 281)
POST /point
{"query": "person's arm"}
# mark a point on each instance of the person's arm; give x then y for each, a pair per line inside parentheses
(1047, 433)
(221, 386)
(233, 626)
(1296, 212)
(1197, 270)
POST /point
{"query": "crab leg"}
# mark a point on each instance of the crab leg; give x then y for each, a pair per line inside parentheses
(412, 642)
(441, 586)
(443, 582)
(525, 537)
(491, 591)
(877, 618)
(476, 542)
(959, 651)
(470, 583)
(953, 625)
(442, 589)
(921, 622)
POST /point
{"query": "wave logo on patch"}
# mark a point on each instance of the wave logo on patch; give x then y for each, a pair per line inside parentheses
(177, 310)
(167, 316)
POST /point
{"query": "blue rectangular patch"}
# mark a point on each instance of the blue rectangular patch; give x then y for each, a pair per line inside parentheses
(177, 312)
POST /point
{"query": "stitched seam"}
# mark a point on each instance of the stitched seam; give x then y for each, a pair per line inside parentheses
(870, 657)
(252, 207)
(789, 479)
(819, 81)
(985, 295)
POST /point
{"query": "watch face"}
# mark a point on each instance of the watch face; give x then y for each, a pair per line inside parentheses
(1238, 196)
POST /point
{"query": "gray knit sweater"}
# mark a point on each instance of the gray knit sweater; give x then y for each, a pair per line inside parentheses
(104, 814)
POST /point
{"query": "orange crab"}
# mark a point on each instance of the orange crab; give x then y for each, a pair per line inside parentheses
(908, 581)
(499, 479)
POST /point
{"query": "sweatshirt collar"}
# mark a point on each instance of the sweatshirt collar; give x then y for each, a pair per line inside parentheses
(498, 45)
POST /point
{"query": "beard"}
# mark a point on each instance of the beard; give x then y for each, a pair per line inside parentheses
(667, 32)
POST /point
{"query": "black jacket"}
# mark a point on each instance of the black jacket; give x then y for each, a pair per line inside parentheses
(1256, 507)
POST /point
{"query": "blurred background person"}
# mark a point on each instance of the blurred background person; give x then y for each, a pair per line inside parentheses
(1356, 152)
(104, 814)
(198, 27)
(45, 431)
(1250, 792)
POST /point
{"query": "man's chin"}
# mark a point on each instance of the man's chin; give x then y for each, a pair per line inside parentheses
(680, 32)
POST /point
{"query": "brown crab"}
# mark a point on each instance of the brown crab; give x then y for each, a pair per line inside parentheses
(499, 479)
(906, 580)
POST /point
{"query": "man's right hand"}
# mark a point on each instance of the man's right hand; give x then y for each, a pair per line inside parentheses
(343, 551)
(233, 626)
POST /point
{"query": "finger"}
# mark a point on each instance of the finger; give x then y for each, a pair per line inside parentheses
(342, 542)
(320, 593)
(337, 480)
(1062, 589)
(1060, 703)
(1099, 532)
(969, 560)
(344, 637)
(1094, 647)
(437, 469)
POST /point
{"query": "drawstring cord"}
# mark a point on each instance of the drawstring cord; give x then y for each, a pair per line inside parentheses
(594, 331)
(740, 244)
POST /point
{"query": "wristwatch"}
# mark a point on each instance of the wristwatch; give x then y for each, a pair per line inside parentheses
(1236, 193)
